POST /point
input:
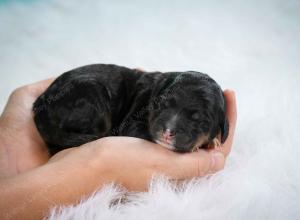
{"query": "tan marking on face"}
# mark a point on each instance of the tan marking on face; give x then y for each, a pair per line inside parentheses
(201, 140)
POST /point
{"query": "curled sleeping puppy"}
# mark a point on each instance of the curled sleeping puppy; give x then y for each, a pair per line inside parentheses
(182, 111)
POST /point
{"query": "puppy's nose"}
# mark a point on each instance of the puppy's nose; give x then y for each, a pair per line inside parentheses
(168, 135)
(170, 132)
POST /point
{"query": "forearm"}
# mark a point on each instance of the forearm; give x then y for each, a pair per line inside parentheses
(31, 194)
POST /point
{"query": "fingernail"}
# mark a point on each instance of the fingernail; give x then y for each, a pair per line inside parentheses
(217, 161)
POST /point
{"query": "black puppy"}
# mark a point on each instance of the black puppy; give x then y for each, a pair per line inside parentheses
(179, 110)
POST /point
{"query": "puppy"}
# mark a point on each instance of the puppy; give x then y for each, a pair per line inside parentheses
(182, 111)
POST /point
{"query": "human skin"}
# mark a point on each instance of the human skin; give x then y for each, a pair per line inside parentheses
(31, 182)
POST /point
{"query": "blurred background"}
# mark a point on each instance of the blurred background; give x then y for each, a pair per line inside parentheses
(233, 41)
(252, 47)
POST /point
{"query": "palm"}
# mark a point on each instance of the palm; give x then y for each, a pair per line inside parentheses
(21, 109)
(19, 130)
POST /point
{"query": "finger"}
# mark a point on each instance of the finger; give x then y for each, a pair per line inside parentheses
(61, 154)
(231, 113)
(39, 87)
(196, 164)
(140, 69)
(31, 90)
(231, 110)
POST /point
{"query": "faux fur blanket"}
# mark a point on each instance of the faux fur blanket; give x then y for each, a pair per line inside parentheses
(252, 47)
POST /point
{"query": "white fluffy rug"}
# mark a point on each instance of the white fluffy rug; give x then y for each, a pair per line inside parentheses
(250, 46)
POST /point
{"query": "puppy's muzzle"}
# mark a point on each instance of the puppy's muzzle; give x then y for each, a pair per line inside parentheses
(167, 139)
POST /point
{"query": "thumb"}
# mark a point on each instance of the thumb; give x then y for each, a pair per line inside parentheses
(39, 87)
(197, 164)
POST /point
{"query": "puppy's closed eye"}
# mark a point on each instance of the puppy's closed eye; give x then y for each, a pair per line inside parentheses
(169, 103)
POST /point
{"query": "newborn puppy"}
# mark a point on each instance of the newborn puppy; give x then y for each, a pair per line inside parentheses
(182, 111)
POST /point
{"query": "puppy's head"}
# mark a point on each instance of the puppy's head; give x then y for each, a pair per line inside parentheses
(187, 111)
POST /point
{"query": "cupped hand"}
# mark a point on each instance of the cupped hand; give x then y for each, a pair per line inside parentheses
(21, 146)
(79, 171)
(132, 162)
(128, 161)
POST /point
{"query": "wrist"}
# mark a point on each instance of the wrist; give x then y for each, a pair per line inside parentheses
(100, 158)
(89, 160)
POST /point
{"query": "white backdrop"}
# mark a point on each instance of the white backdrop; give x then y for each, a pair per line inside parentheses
(252, 47)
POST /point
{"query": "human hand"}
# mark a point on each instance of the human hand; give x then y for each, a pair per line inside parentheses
(21, 146)
(132, 162)
(79, 171)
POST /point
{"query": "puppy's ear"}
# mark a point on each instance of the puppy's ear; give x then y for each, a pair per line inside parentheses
(224, 125)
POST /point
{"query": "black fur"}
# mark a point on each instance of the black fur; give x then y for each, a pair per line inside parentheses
(101, 100)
